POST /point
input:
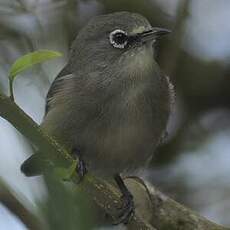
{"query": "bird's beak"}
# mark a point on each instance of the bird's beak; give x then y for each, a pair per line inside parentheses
(153, 34)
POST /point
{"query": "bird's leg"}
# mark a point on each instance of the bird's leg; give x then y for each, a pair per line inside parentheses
(81, 166)
(128, 208)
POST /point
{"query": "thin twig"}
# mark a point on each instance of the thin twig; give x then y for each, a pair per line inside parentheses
(15, 206)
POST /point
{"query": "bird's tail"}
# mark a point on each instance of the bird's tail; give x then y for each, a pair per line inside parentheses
(32, 166)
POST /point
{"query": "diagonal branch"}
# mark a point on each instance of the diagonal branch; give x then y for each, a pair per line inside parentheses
(165, 213)
(154, 210)
(104, 194)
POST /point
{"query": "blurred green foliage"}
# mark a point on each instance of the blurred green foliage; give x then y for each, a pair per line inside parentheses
(66, 208)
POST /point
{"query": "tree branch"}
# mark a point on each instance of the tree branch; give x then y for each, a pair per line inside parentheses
(163, 212)
(154, 210)
(104, 194)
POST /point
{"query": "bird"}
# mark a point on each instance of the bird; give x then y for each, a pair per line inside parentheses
(110, 105)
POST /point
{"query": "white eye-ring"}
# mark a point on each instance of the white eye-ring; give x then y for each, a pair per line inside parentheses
(118, 39)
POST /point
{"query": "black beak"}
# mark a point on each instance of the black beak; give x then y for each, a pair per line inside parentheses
(153, 34)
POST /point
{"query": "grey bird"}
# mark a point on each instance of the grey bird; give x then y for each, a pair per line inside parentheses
(111, 103)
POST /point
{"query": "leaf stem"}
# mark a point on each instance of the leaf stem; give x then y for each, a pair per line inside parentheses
(11, 88)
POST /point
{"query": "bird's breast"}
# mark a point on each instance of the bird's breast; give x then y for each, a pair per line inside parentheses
(129, 126)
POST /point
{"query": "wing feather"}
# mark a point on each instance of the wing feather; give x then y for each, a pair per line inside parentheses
(55, 86)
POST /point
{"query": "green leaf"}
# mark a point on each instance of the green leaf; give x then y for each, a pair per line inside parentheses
(30, 59)
(65, 173)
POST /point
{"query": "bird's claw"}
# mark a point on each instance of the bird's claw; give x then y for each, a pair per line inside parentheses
(81, 169)
(127, 210)
(81, 166)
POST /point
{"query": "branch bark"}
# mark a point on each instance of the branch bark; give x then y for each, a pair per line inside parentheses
(163, 212)
(154, 210)
(104, 194)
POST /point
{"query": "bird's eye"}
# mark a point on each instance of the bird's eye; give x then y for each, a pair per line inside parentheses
(118, 39)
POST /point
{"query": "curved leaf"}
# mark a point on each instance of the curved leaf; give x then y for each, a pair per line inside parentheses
(30, 59)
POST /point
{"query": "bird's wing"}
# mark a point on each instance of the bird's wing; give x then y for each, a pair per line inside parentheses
(55, 86)
(34, 165)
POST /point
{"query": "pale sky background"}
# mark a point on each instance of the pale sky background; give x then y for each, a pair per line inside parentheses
(208, 33)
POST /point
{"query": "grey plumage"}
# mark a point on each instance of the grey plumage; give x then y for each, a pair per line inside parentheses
(113, 104)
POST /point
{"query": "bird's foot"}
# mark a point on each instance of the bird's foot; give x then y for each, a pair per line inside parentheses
(127, 210)
(81, 166)
(81, 169)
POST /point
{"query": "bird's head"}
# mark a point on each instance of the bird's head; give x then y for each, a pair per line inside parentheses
(116, 37)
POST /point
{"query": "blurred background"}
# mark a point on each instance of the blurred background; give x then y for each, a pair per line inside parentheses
(193, 165)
